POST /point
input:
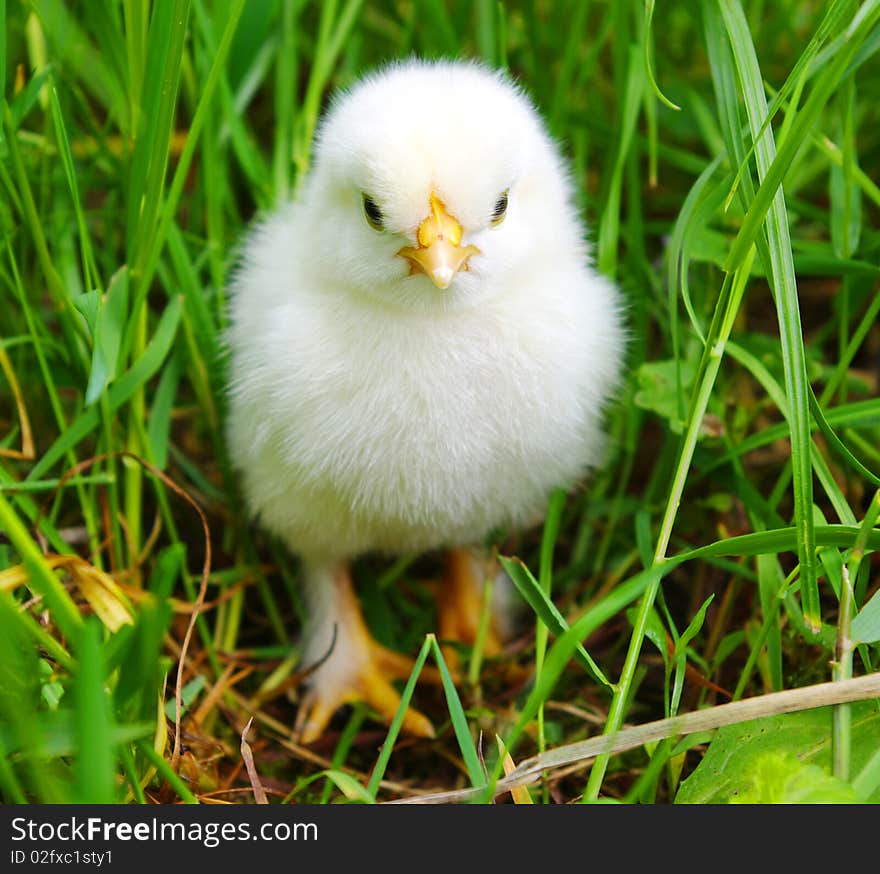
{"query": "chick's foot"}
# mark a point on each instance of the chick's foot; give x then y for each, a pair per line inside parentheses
(460, 604)
(354, 667)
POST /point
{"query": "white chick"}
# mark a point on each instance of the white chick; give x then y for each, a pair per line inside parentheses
(420, 353)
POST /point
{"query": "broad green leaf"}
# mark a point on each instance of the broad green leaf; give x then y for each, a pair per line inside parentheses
(867, 781)
(729, 766)
(780, 778)
(88, 305)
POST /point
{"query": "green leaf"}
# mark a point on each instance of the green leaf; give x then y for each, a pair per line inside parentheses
(654, 630)
(779, 778)
(860, 27)
(51, 691)
(159, 427)
(107, 336)
(648, 49)
(150, 247)
(660, 388)
(41, 578)
(188, 694)
(136, 652)
(694, 626)
(867, 782)
(679, 655)
(153, 126)
(729, 768)
(866, 625)
(88, 305)
(19, 671)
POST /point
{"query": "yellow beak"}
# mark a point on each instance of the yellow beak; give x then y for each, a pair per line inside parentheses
(439, 254)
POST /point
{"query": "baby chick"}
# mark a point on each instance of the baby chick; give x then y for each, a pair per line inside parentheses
(420, 353)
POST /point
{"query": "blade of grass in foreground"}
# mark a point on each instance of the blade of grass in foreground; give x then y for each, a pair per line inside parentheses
(546, 611)
(41, 576)
(95, 762)
(717, 335)
(397, 722)
(456, 713)
(459, 721)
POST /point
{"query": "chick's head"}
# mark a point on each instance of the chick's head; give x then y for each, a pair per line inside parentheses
(435, 184)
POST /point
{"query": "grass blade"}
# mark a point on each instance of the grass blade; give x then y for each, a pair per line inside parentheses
(459, 720)
(95, 763)
(546, 611)
(394, 729)
(785, 294)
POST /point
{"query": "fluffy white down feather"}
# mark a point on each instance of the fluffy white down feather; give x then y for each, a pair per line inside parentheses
(370, 410)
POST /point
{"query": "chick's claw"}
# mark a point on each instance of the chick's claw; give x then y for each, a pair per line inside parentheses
(348, 664)
(367, 683)
(399, 666)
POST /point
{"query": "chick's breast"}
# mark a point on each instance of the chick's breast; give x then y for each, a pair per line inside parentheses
(359, 426)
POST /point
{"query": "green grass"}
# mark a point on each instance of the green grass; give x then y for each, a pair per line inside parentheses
(727, 157)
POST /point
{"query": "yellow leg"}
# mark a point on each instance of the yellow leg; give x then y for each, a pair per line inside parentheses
(357, 668)
(460, 603)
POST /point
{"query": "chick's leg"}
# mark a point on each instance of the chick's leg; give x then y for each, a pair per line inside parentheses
(460, 602)
(351, 665)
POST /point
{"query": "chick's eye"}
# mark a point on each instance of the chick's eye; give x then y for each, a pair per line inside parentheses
(373, 214)
(500, 210)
